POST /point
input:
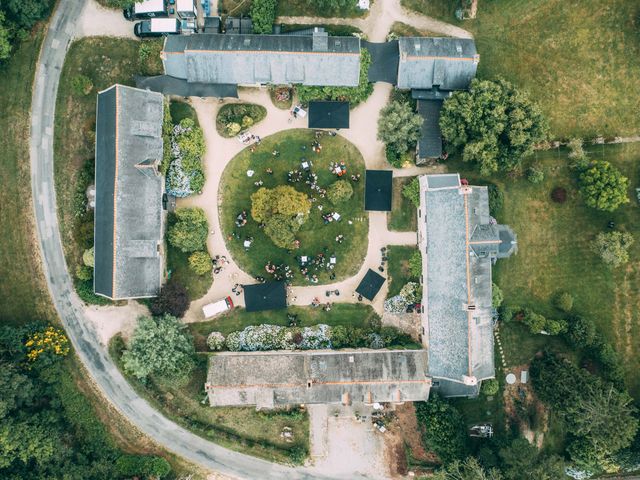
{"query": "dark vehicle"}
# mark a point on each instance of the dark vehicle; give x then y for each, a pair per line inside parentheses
(146, 9)
(157, 27)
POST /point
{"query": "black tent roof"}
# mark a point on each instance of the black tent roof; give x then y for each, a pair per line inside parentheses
(370, 285)
(328, 114)
(378, 190)
(265, 296)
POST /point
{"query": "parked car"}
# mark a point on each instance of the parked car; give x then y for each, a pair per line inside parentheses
(157, 27)
(146, 9)
(216, 308)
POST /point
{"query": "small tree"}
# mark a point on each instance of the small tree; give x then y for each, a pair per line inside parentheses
(613, 247)
(339, 191)
(399, 126)
(412, 191)
(200, 262)
(534, 321)
(190, 231)
(283, 199)
(281, 230)
(415, 264)
(443, 428)
(263, 14)
(159, 346)
(563, 301)
(81, 85)
(497, 297)
(490, 387)
(173, 300)
(603, 186)
(216, 341)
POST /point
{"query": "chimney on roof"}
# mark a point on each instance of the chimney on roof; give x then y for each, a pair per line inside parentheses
(320, 40)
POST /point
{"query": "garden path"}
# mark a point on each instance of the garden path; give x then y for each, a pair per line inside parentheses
(377, 25)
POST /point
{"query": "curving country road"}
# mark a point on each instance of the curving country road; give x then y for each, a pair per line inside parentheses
(84, 338)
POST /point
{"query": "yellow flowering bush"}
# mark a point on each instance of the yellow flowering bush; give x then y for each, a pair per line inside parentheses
(50, 341)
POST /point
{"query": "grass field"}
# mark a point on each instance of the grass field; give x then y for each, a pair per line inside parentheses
(403, 216)
(23, 291)
(238, 428)
(354, 314)
(398, 268)
(577, 59)
(315, 237)
(554, 251)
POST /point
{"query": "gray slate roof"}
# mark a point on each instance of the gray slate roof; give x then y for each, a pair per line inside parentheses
(263, 59)
(271, 379)
(459, 241)
(450, 63)
(430, 141)
(128, 212)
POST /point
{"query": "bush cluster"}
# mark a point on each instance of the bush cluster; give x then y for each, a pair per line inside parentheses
(234, 118)
(185, 174)
(190, 230)
(412, 191)
(539, 323)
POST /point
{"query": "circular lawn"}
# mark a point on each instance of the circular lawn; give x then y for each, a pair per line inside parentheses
(317, 236)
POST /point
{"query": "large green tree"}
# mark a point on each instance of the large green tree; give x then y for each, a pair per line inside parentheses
(399, 126)
(603, 186)
(522, 461)
(283, 200)
(263, 14)
(159, 346)
(443, 427)
(25, 13)
(469, 469)
(189, 232)
(493, 125)
(173, 299)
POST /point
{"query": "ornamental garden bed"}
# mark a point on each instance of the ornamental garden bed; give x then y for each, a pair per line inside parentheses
(234, 118)
(330, 230)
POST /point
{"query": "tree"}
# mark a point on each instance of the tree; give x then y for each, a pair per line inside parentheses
(281, 230)
(200, 262)
(497, 297)
(142, 466)
(493, 125)
(563, 301)
(159, 346)
(581, 332)
(534, 321)
(173, 300)
(263, 14)
(283, 199)
(490, 387)
(84, 273)
(469, 469)
(415, 264)
(613, 247)
(412, 191)
(190, 231)
(522, 461)
(5, 45)
(444, 429)
(399, 126)
(339, 191)
(603, 186)
(25, 13)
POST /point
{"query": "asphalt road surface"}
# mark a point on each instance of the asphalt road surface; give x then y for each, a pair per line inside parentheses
(81, 333)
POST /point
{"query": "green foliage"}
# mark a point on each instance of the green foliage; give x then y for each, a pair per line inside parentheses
(281, 229)
(535, 175)
(167, 128)
(84, 273)
(189, 232)
(25, 13)
(577, 153)
(603, 186)
(521, 460)
(191, 144)
(496, 199)
(469, 469)
(5, 45)
(339, 192)
(493, 125)
(415, 264)
(534, 321)
(602, 420)
(233, 118)
(283, 199)
(399, 126)
(490, 387)
(581, 332)
(393, 156)
(173, 300)
(149, 57)
(353, 95)
(139, 466)
(497, 297)
(200, 262)
(563, 301)
(119, 4)
(88, 257)
(263, 14)
(613, 247)
(411, 292)
(443, 429)
(412, 191)
(81, 85)
(159, 346)
(215, 341)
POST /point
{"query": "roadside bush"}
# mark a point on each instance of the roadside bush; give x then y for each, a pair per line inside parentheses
(563, 301)
(412, 192)
(613, 247)
(200, 262)
(559, 195)
(236, 117)
(81, 85)
(535, 175)
(215, 341)
(497, 297)
(415, 264)
(145, 466)
(189, 232)
(173, 300)
(298, 454)
(490, 387)
(339, 192)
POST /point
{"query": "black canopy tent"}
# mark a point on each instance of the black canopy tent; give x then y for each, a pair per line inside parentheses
(370, 285)
(328, 114)
(378, 187)
(265, 296)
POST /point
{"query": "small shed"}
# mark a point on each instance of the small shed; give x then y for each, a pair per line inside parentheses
(329, 115)
(370, 285)
(265, 296)
(378, 190)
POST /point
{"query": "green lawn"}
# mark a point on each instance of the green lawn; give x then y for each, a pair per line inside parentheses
(404, 215)
(238, 428)
(398, 268)
(23, 291)
(315, 237)
(354, 314)
(554, 251)
(577, 59)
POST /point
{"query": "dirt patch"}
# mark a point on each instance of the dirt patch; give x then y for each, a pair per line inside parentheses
(524, 410)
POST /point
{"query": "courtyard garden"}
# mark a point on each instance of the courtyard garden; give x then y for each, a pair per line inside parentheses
(292, 208)
(234, 118)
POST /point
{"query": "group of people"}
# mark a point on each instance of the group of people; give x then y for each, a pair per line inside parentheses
(218, 262)
(339, 169)
(330, 217)
(241, 219)
(279, 272)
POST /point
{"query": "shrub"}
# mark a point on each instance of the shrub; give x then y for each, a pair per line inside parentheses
(236, 117)
(84, 273)
(496, 199)
(185, 174)
(189, 232)
(215, 341)
(173, 300)
(263, 14)
(411, 292)
(535, 175)
(81, 85)
(576, 149)
(508, 312)
(603, 186)
(298, 454)
(555, 327)
(200, 262)
(534, 321)
(339, 191)
(563, 301)
(581, 332)
(88, 257)
(412, 191)
(149, 57)
(497, 297)
(399, 126)
(145, 466)
(559, 195)
(613, 247)
(393, 156)
(415, 264)
(490, 387)
(443, 429)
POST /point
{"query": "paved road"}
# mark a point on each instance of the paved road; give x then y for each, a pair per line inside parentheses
(69, 307)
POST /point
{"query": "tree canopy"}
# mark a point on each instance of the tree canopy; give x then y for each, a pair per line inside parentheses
(173, 299)
(603, 186)
(189, 232)
(522, 461)
(283, 210)
(339, 191)
(263, 14)
(613, 247)
(493, 125)
(444, 429)
(399, 126)
(469, 469)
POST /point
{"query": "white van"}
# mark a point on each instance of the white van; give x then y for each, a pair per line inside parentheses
(146, 9)
(216, 308)
(157, 27)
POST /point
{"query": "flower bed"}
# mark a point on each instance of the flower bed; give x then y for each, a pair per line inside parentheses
(234, 118)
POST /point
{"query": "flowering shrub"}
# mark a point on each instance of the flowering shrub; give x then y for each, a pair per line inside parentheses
(274, 337)
(375, 341)
(185, 175)
(215, 341)
(316, 337)
(397, 304)
(51, 341)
